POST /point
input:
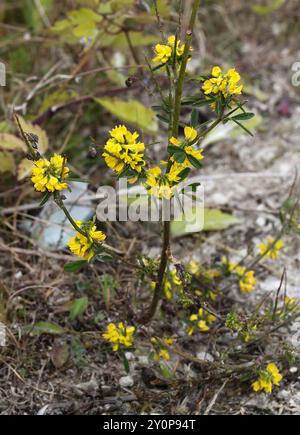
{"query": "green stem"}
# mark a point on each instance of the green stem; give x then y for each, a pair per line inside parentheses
(59, 202)
(175, 131)
(179, 88)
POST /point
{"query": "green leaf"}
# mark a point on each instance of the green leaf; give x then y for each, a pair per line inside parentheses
(166, 371)
(180, 156)
(183, 174)
(243, 116)
(195, 118)
(163, 118)
(172, 149)
(105, 258)
(132, 112)
(75, 266)
(214, 220)
(78, 307)
(80, 23)
(45, 199)
(243, 127)
(196, 163)
(268, 9)
(47, 328)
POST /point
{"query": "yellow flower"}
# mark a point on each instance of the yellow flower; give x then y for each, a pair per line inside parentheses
(50, 175)
(172, 282)
(271, 249)
(191, 136)
(165, 53)
(179, 48)
(247, 278)
(162, 354)
(226, 84)
(85, 246)
(203, 326)
(119, 335)
(122, 151)
(161, 185)
(248, 282)
(193, 267)
(201, 320)
(268, 378)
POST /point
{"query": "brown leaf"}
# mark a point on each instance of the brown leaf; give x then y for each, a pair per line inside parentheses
(60, 355)
(9, 142)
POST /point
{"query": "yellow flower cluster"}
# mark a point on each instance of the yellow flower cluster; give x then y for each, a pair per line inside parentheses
(165, 53)
(161, 352)
(84, 246)
(268, 378)
(191, 136)
(226, 84)
(122, 151)
(246, 329)
(271, 248)
(248, 282)
(50, 175)
(172, 283)
(119, 335)
(246, 277)
(201, 321)
(158, 184)
(163, 185)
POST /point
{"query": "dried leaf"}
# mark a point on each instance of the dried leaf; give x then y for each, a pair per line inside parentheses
(132, 112)
(9, 142)
(28, 127)
(60, 355)
(7, 163)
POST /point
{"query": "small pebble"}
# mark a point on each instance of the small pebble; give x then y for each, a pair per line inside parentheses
(126, 381)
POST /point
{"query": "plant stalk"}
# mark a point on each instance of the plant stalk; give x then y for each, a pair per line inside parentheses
(175, 131)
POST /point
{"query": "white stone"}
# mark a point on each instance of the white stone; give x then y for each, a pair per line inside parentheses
(204, 356)
(126, 381)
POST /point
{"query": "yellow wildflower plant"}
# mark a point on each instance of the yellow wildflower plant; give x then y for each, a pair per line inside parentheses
(268, 379)
(86, 246)
(227, 84)
(271, 248)
(160, 351)
(123, 152)
(201, 321)
(165, 53)
(246, 329)
(172, 283)
(120, 336)
(50, 175)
